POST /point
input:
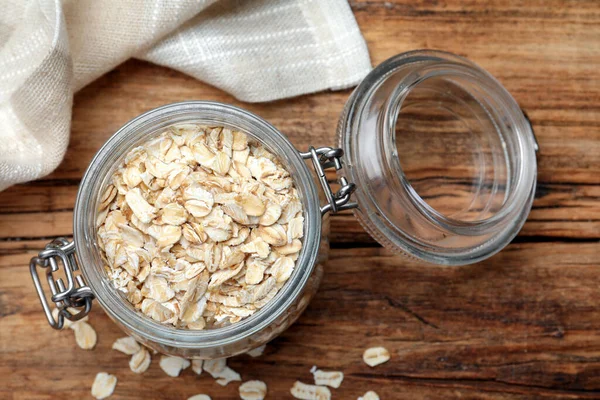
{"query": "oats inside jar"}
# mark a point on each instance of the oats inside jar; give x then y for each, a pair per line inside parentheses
(200, 227)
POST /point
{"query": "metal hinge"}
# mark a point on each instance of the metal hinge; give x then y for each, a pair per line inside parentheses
(75, 295)
(322, 159)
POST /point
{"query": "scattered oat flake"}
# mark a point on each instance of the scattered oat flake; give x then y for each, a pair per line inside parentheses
(215, 367)
(140, 361)
(370, 395)
(219, 370)
(375, 356)
(228, 375)
(253, 390)
(197, 366)
(126, 345)
(173, 365)
(85, 335)
(327, 378)
(257, 351)
(104, 385)
(303, 391)
(200, 397)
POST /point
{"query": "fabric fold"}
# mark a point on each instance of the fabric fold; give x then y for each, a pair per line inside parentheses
(257, 50)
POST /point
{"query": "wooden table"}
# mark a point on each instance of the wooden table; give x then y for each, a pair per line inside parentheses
(524, 324)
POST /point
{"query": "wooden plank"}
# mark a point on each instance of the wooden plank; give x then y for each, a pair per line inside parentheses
(522, 325)
(44, 209)
(36, 225)
(39, 197)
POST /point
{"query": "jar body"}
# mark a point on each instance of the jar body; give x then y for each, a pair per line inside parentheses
(443, 158)
(242, 336)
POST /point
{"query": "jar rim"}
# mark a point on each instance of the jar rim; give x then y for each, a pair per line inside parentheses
(154, 122)
(448, 69)
(405, 71)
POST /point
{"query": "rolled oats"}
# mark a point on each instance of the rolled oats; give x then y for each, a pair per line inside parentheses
(199, 228)
(253, 390)
(274, 234)
(197, 366)
(370, 395)
(107, 197)
(375, 356)
(126, 345)
(140, 361)
(173, 365)
(219, 370)
(303, 391)
(257, 352)
(282, 269)
(215, 367)
(140, 207)
(85, 335)
(255, 272)
(228, 375)
(171, 214)
(199, 397)
(290, 248)
(327, 378)
(104, 385)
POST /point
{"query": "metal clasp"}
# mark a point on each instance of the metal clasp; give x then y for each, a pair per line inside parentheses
(76, 294)
(322, 159)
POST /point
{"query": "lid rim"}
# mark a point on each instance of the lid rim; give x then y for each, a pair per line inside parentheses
(496, 231)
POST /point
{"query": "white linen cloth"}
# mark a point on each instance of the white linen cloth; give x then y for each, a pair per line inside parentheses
(257, 50)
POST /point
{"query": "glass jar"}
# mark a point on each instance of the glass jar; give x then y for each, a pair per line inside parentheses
(469, 190)
(392, 207)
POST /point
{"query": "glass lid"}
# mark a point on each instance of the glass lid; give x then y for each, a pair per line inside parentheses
(442, 156)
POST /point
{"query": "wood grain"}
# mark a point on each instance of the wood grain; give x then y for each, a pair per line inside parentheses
(524, 324)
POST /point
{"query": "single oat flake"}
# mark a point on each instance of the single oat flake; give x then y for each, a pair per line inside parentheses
(219, 370)
(197, 366)
(199, 228)
(375, 356)
(327, 378)
(303, 391)
(126, 345)
(253, 390)
(199, 397)
(85, 335)
(140, 361)
(173, 365)
(257, 352)
(370, 395)
(104, 385)
(228, 375)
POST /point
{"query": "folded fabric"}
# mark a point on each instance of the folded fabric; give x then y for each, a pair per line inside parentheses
(257, 50)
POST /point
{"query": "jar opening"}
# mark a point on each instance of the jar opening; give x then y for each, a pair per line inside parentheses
(442, 155)
(451, 147)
